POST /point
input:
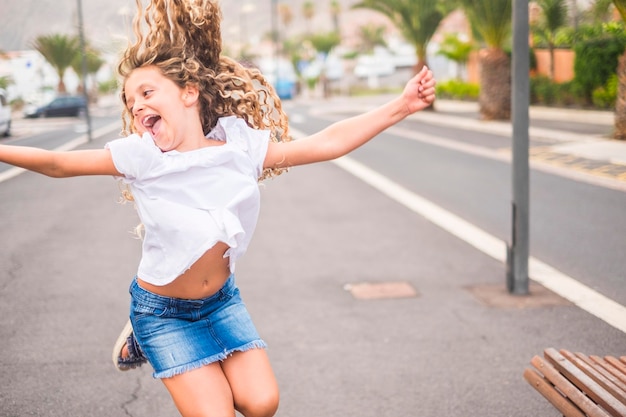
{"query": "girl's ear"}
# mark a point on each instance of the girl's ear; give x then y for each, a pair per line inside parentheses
(190, 94)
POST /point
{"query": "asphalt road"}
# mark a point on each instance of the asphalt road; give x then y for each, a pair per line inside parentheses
(576, 227)
(444, 350)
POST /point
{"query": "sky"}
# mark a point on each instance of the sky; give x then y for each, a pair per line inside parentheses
(106, 21)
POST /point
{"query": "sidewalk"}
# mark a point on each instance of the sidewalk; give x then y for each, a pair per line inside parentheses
(562, 125)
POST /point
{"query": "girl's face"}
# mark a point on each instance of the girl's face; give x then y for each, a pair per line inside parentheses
(158, 106)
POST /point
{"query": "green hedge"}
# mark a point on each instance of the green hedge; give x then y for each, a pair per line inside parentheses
(605, 97)
(596, 61)
(546, 92)
(458, 90)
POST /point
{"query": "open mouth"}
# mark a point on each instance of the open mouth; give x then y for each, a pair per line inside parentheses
(151, 123)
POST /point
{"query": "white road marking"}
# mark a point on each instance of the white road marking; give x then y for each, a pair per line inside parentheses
(567, 287)
(584, 297)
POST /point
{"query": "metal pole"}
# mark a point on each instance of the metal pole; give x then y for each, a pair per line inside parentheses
(518, 250)
(84, 69)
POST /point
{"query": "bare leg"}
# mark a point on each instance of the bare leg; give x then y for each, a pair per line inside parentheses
(252, 383)
(202, 392)
(244, 381)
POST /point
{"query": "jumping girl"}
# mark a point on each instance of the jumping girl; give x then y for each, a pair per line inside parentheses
(202, 130)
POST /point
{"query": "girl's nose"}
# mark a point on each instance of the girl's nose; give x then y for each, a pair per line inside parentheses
(137, 108)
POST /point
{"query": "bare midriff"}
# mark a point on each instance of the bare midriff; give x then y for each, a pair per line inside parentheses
(205, 277)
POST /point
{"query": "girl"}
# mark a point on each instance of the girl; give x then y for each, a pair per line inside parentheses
(204, 130)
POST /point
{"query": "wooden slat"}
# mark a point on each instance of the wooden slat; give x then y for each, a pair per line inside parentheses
(605, 379)
(568, 389)
(610, 368)
(585, 383)
(563, 404)
(618, 364)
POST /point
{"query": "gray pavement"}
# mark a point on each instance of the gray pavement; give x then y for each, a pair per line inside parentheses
(368, 308)
(458, 345)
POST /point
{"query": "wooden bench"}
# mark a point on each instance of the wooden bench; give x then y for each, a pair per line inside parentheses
(579, 385)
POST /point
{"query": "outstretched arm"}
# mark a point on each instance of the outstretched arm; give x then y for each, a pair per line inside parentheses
(342, 137)
(59, 164)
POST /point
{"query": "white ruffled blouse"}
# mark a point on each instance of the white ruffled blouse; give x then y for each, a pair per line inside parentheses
(189, 201)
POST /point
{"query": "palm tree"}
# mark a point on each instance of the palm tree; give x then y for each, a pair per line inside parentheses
(620, 104)
(620, 5)
(457, 50)
(371, 35)
(59, 50)
(94, 63)
(417, 20)
(335, 11)
(5, 81)
(553, 17)
(308, 11)
(286, 14)
(601, 11)
(491, 19)
(323, 44)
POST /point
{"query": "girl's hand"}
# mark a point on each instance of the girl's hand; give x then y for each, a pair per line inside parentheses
(419, 92)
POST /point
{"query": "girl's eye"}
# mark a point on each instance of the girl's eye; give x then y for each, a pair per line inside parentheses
(147, 93)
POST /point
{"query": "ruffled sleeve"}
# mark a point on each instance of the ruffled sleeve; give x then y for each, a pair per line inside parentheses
(253, 142)
(134, 156)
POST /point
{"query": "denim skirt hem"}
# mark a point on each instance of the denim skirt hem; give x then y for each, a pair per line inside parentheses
(168, 373)
(179, 335)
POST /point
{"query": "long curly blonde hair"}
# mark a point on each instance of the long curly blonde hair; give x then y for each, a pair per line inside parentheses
(183, 39)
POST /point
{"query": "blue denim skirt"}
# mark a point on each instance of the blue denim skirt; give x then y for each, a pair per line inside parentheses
(178, 335)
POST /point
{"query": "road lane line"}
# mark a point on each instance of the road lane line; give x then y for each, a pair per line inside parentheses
(582, 296)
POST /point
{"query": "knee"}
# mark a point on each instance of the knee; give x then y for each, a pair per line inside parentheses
(260, 406)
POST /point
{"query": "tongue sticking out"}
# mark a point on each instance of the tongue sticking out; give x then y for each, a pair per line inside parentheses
(152, 123)
(154, 128)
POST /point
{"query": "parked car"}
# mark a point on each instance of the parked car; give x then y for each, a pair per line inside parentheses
(285, 83)
(62, 106)
(5, 115)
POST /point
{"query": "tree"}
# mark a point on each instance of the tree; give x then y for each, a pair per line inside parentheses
(491, 19)
(600, 11)
(94, 63)
(308, 11)
(553, 17)
(286, 14)
(5, 81)
(335, 11)
(457, 50)
(323, 44)
(417, 20)
(620, 104)
(371, 35)
(620, 5)
(59, 50)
